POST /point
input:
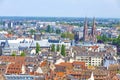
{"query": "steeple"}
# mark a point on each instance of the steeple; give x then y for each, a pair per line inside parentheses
(6, 49)
(93, 27)
(6, 44)
(93, 33)
(85, 33)
(89, 37)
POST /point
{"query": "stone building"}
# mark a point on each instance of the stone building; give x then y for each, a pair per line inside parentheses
(89, 37)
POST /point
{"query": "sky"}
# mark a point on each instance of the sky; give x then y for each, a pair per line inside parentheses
(61, 8)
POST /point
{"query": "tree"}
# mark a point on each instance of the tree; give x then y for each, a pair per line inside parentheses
(42, 30)
(63, 35)
(67, 35)
(104, 38)
(70, 36)
(13, 54)
(37, 48)
(58, 48)
(32, 31)
(116, 41)
(23, 54)
(63, 51)
(53, 48)
(9, 32)
(118, 71)
(49, 29)
(58, 31)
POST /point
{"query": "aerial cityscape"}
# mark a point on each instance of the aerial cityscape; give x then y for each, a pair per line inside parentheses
(60, 40)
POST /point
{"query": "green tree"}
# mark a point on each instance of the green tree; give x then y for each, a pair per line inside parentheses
(63, 35)
(32, 31)
(37, 47)
(58, 31)
(58, 48)
(70, 36)
(10, 32)
(104, 38)
(118, 71)
(42, 30)
(53, 48)
(116, 41)
(13, 54)
(67, 35)
(63, 51)
(99, 38)
(49, 29)
(23, 54)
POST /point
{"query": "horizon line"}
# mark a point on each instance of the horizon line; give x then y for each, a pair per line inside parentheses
(63, 17)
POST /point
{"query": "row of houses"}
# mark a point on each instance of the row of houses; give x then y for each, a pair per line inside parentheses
(30, 68)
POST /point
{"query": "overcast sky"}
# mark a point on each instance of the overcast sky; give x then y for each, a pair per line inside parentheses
(61, 8)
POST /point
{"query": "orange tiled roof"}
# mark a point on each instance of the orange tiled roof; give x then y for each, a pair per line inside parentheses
(79, 62)
(65, 64)
(75, 73)
(60, 74)
(14, 68)
(16, 59)
(44, 63)
(94, 47)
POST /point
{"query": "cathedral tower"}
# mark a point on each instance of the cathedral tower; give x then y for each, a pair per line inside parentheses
(85, 32)
(89, 37)
(93, 32)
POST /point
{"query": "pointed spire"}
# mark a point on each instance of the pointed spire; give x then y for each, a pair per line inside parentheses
(85, 22)
(94, 27)
(85, 33)
(93, 33)
(6, 43)
(94, 21)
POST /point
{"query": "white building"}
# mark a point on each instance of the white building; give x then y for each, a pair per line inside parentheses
(90, 60)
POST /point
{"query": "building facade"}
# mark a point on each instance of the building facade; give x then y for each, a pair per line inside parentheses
(90, 60)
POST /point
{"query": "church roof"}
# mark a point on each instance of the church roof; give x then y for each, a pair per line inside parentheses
(6, 44)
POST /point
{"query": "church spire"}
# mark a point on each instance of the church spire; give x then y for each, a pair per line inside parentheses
(93, 33)
(85, 33)
(93, 27)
